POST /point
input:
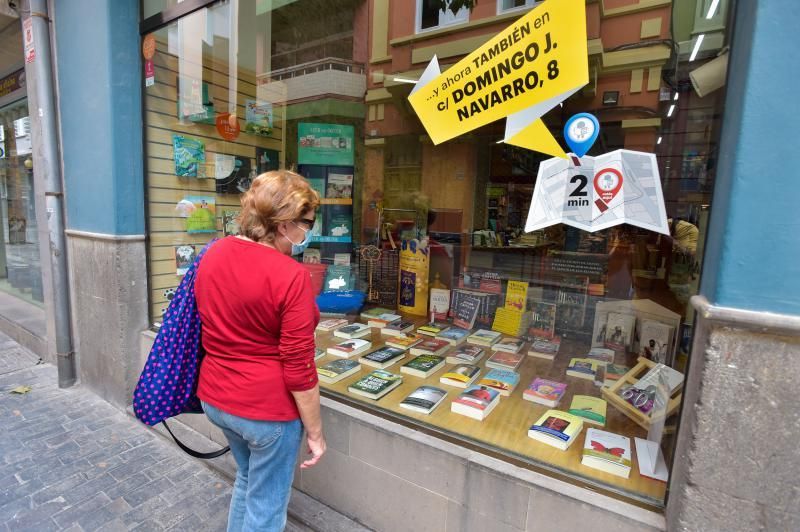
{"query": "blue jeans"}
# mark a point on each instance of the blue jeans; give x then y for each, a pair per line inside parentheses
(265, 453)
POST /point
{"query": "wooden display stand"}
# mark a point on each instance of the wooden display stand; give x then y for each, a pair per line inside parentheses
(612, 395)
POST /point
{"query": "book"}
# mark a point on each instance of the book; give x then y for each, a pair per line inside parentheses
(383, 357)
(619, 331)
(431, 329)
(341, 259)
(424, 399)
(258, 117)
(484, 337)
(232, 173)
(354, 330)
(502, 380)
(318, 353)
(229, 224)
(439, 303)
(466, 311)
(376, 384)
(614, 373)
(466, 354)
(591, 409)
(339, 186)
(430, 346)
(349, 348)
(338, 278)
(556, 428)
(331, 324)
(655, 341)
(396, 328)
(503, 360)
(189, 155)
(337, 370)
(338, 221)
(601, 355)
(461, 376)
(312, 256)
(673, 378)
(509, 345)
(202, 216)
(423, 366)
(403, 341)
(380, 316)
(607, 452)
(184, 257)
(546, 348)
(510, 321)
(517, 295)
(543, 319)
(453, 335)
(476, 402)
(582, 368)
(545, 392)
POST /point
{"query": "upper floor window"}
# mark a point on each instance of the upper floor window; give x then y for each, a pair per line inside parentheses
(430, 17)
(511, 5)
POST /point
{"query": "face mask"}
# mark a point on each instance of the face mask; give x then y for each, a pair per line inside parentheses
(298, 249)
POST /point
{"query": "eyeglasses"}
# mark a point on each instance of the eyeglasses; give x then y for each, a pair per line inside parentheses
(309, 223)
(641, 399)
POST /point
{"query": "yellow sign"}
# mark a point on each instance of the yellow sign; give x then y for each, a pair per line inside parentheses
(520, 74)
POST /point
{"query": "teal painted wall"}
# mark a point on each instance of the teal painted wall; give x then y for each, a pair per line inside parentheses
(99, 76)
(753, 248)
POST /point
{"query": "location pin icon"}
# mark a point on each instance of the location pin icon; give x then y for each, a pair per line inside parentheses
(581, 131)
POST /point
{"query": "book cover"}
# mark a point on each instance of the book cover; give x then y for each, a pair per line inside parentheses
(339, 186)
(546, 348)
(543, 319)
(453, 335)
(258, 117)
(202, 218)
(502, 380)
(189, 155)
(375, 312)
(349, 347)
(232, 174)
(397, 327)
(614, 372)
(439, 304)
(376, 384)
(601, 355)
(509, 321)
(466, 354)
(672, 378)
(466, 312)
(607, 452)
(184, 257)
(517, 295)
(484, 337)
(383, 357)
(424, 399)
(545, 392)
(338, 278)
(338, 221)
(354, 330)
(331, 324)
(430, 346)
(655, 339)
(267, 160)
(423, 365)
(318, 184)
(230, 227)
(619, 330)
(510, 345)
(404, 341)
(556, 428)
(337, 370)
(582, 368)
(431, 329)
(503, 360)
(461, 376)
(477, 397)
(591, 409)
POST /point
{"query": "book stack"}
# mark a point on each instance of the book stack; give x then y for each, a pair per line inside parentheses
(545, 392)
(607, 452)
(502, 380)
(424, 399)
(484, 337)
(379, 317)
(582, 368)
(486, 303)
(376, 384)
(511, 321)
(397, 328)
(556, 428)
(476, 402)
(330, 324)
(431, 329)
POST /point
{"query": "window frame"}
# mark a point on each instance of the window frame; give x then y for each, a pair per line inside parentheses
(418, 19)
(529, 4)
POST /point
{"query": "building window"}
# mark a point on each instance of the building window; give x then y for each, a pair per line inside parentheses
(504, 6)
(430, 17)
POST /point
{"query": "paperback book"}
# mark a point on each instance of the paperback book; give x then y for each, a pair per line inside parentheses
(461, 376)
(546, 348)
(619, 331)
(424, 399)
(543, 319)
(655, 341)
(376, 384)
(453, 335)
(601, 355)
(517, 295)
(339, 186)
(431, 329)
(403, 341)
(330, 324)
(349, 348)
(502, 380)
(337, 370)
(607, 452)
(614, 372)
(466, 354)
(510, 321)
(396, 328)
(379, 316)
(476, 402)
(509, 345)
(466, 312)
(184, 257)
(423, 366)
(582, 368)
(545, 392)
(383, 357)
(503, 360)
(354, 330)
(484, 337)
(591, 409)
(439, 303)
(430, 346)
(556, 428)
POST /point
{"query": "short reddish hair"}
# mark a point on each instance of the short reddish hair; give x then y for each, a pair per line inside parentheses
(273, 198)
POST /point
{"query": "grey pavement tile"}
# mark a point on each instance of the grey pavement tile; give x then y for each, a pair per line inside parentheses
(146, 492)
(115, 525)
(73, 514)
(100, 518)
(89, 488)
(143, 512)
(128, 484)
(57, 489)
(37, 516)
(148, 526)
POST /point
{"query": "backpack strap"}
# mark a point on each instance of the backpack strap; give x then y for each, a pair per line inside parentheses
(191, 452)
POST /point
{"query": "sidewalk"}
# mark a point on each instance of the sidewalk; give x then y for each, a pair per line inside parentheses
(70, 461)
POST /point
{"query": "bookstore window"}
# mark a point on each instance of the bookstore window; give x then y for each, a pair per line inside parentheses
(427, 279)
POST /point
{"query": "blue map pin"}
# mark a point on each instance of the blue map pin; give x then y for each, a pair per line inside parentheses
(581, 131)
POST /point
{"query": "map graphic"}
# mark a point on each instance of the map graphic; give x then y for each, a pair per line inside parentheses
(593, 193)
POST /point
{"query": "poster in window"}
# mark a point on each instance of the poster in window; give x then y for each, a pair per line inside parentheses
(258, 118)
(326, 144)
(189, 155)
(202, 216)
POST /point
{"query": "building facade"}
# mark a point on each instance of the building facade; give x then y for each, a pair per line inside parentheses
(167, 110)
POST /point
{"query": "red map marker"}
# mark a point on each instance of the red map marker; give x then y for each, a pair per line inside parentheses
(607, 184)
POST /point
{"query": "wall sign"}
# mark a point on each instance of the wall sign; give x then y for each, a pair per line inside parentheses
(27, 40)
(12, 82)
(520, 74)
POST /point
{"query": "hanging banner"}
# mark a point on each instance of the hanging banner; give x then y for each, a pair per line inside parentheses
(593, 193)
(520, 74)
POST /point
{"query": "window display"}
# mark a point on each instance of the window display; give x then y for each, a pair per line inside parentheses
(470, 287)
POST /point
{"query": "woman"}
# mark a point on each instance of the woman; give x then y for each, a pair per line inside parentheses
(258, 381)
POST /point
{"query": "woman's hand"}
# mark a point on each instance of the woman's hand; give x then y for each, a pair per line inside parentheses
(316, 448)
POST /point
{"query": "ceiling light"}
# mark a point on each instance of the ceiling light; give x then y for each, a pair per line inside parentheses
(405, 80)
(675, 99)
(658, 141)
(697, 46)
(712, 10)
(671, 110)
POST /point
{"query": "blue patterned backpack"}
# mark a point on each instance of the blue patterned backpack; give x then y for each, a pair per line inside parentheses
(168, 381)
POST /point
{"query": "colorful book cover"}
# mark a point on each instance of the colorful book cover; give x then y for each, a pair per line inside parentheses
(424, 399)
(353, 328)
(478, 397)
(430, 346)
(466, 312)
(377, 382)
(591, 409)
(331, 324)
(511, 345)
(545, 389)
(502, 380)
(545, 347)
(440, 303)
(508, 321)
(608, 447)
(583, 368)
(349, 346)
(468, 354)
(484, 337)
(423, 363)
(559, 425)
(454, 335)
(505, 360)
(614, 372)
(431, 330)
(338, 222)
(339, 186)
(517, 295)
(184, 257)
(404, 341)
(601, 355)
(258, 117)
(463, 373)
(202, 218)
(232, 174)
(189, 155)
(230, 227)
(543, 319)
(398, 326)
